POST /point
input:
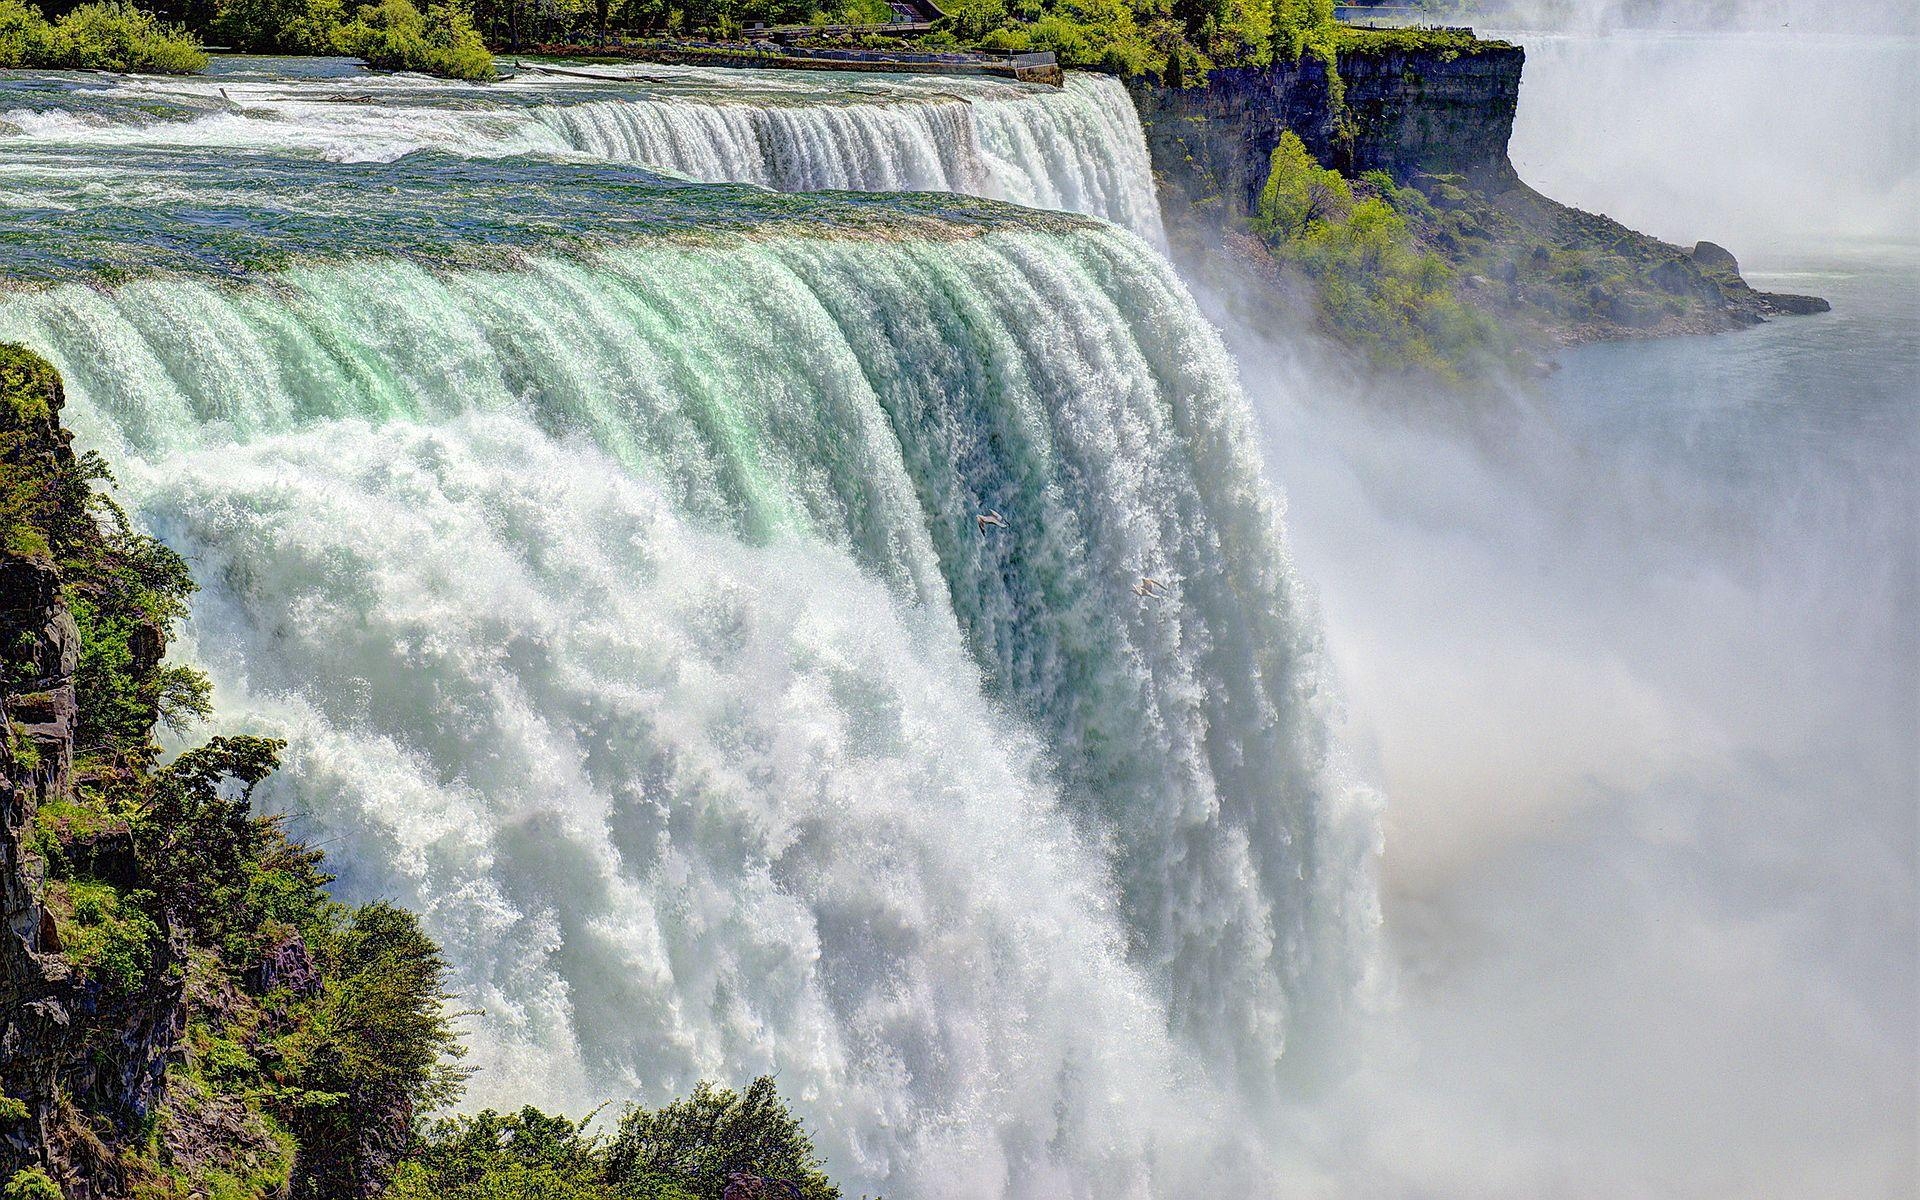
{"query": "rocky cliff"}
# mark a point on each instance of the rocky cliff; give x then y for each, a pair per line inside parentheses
(1441, 112)
(81, 1061)
(1434, 111)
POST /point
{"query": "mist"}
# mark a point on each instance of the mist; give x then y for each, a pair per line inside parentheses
(1632, 653)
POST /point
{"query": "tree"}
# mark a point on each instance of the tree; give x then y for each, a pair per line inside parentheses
(1299, 192)
(699, 1141)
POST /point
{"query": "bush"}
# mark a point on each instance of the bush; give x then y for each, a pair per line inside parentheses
(1377, 289)
(396, 36)
(31, 1184)
(110, 35)
(699, 1141)
(26, 39)
(280, 26)
(105, 934)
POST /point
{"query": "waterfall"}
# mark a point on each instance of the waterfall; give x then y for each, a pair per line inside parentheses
(1076, 149)
(1080, 150)
(627, 615)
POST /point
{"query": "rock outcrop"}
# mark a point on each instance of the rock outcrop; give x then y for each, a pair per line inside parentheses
(1404, 112)
(63, 1036)
(1439, 118)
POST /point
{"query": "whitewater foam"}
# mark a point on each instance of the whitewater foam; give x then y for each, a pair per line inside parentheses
(1076, 149)
(627, 616)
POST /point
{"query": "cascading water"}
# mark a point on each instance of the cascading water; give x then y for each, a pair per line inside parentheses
(1077, 149)
(622, 600)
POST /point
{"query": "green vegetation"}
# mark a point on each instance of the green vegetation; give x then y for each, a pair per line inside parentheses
(105, 35)
(31, 1184)
(1175, 40)
(685, 1150)
(1446, 44)
(280, 26)
(396, 36)
(393, 35)
(109, 937)
(1376, 287)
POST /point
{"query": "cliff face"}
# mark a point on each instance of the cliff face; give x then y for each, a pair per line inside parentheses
(64, 1037)
(1405, 112)
(1437, 118)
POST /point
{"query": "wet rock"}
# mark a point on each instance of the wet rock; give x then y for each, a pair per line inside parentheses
(1792, 305)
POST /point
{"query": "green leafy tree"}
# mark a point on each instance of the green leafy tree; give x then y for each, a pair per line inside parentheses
(1376, 287)
(697, 1142)
(376, 1048)
(26, 37)
(110, 35)
(396, 36)
(1296, 23)
(1298, 192)
(526, 1155)
(280, 26)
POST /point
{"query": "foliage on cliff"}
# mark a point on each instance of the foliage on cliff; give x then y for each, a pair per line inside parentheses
(1376, 287)
(313, 1032)
(105, 35)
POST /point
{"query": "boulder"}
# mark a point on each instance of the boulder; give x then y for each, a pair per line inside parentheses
(1713, 257)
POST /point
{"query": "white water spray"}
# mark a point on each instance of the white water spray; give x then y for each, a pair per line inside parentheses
(628, 617)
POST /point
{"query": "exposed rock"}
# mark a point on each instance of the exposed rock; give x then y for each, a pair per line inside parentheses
(287, 965)
(744, 1186)
(1793, 305)
(1440, 120)
(1406, 112)
(1713, 257)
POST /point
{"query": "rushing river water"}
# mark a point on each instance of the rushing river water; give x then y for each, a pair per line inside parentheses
(1077, 149)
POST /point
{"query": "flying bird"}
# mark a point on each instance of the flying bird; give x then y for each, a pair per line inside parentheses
(991, 518)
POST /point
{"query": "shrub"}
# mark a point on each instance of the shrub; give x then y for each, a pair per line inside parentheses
(26, 39)
(110, 35)
(396, 36)
(699, 1141)
(31, 1184)
(280, 26)
(105, 934)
